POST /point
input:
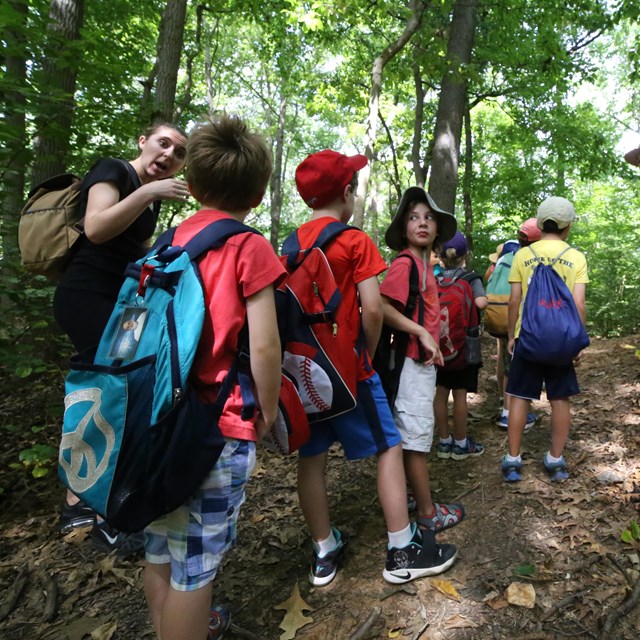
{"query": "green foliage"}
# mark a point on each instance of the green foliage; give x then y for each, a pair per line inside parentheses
(524, 570)
(631, 534)
(39, 458)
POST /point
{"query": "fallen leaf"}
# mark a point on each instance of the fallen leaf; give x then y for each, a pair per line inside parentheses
(104, 631)
(77, 535)
(394, 633)
(294, 619)
(459, 622)
(446, 588)
(521, 594)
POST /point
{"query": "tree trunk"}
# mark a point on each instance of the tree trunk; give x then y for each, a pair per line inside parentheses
(417, 9)
(275, 184)
(170, 41)
(14, 156)
(443, 178)
(56, 92)
(418, 122)
(468, 179)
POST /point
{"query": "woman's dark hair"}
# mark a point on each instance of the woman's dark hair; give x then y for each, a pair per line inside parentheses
(151, 129)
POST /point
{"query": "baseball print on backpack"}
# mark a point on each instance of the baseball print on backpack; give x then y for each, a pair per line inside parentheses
(317, 344)
(551, 331)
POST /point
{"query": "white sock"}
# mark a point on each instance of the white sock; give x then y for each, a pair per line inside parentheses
(550, 459)
(509, 458)
(322, 547)
(462, 443)
(448, 440)
(505, 413)
(400, 539)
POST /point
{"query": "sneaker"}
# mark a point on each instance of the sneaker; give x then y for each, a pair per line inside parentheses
(511, 470)
(557, 470)
(473, 448)
(219, 621)
(532, 418)
(75, 516)
(444, 450)
(420, 558)
(106, 539)
(503, 421)
(444, 517)
(323, 570)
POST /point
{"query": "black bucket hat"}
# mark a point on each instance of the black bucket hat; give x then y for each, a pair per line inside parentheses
(394, 236)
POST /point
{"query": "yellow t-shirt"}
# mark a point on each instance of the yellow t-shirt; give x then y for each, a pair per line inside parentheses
(572, 266)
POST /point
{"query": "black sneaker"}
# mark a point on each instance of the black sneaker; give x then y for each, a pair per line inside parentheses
(106, 539)
(420, 558)
(75, 516)
(323, 570)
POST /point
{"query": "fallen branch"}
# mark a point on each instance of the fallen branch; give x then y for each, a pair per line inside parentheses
(467, 492)
(622, 570)
(242, 633)
(12, 597)
(622, 610)
(423, 628)
(51, 589)
(565, 602)
(365, 627)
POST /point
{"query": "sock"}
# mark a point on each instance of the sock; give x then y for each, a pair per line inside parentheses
(323, 547)
(550, 459)
(505, 413)
(400, 539)
(448, 440)
(509, 458)
(462, 443)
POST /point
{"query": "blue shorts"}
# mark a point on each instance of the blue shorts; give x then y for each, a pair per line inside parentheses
(366, 430)
(195, 537)
(526, 379)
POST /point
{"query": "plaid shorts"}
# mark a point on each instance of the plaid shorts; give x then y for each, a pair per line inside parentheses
(195, 537)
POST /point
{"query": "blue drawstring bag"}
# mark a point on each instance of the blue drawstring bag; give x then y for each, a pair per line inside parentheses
(551, 331)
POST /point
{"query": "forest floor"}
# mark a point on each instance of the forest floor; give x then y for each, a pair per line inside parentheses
(557, 543)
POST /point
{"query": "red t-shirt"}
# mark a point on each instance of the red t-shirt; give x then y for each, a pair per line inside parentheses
(242, 267)
(396, 287)
(354, 258)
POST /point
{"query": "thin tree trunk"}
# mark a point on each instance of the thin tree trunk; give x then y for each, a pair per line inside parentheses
(417, 9)
(170, 42)
(443, 178)
(418, 122)
(56, 93)
(275, 185)
(468, 179)
(16, 152)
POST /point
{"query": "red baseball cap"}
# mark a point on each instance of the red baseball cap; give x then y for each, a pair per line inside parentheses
(322, 176)
(529, 232)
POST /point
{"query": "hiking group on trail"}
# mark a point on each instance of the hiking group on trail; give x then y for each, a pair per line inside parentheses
(381, 396)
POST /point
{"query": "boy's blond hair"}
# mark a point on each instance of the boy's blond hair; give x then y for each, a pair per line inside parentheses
(227, 165)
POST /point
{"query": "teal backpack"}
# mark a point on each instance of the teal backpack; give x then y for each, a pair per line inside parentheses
(136, 439)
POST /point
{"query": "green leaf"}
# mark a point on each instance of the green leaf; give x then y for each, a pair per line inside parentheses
(524, 570)
(40, 471)
(24, 371)
(627, 536)
(635, 530)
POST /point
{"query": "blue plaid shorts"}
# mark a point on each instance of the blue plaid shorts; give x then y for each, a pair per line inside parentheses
(195, 537)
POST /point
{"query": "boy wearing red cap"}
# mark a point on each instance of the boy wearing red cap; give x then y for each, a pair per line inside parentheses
(327, 182)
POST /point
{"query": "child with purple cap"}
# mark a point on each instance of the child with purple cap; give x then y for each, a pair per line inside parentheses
(460, 382)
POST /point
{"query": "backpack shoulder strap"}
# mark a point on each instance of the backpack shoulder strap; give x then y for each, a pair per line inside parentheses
(291, 246)
(214, 235)
(559, 256)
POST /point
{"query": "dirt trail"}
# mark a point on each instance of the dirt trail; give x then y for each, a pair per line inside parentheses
(564, 538)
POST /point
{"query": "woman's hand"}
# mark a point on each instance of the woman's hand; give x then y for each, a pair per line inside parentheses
(167, 189)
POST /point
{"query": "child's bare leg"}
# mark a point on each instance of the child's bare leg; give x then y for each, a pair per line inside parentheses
(156, 588)
(560, 425)
(459, 414)
(441, 412)
(392, 489)
(312, 494)
(518, 408)
(500, 367)
(185, 615)
(417, 470)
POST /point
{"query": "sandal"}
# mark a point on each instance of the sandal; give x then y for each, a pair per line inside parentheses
(444, 517)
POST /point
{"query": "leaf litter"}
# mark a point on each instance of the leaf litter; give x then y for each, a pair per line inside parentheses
(570, 533)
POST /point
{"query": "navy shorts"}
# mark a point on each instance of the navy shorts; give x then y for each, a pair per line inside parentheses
(364, 431)
(466, 378)
(526, 379)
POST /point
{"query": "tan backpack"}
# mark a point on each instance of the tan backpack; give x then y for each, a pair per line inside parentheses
(50, 224)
